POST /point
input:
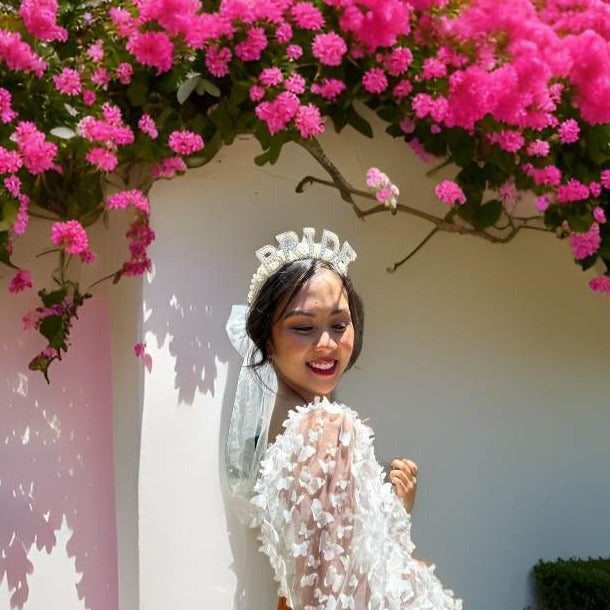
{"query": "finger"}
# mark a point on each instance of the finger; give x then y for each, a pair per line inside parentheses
(410, 465)
(399, 488)
(407, 479)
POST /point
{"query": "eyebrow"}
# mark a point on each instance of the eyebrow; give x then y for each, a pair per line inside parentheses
(311, 314)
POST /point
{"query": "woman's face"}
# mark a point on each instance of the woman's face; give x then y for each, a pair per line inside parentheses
(313, 339)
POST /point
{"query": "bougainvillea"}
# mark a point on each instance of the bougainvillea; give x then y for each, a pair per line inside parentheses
(515, 94)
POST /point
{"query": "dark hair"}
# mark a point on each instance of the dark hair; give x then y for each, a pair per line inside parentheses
(279, 289)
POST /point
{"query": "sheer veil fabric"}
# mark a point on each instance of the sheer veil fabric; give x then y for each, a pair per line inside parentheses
(336, 534)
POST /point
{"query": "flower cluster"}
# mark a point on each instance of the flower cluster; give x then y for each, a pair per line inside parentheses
(516, 94)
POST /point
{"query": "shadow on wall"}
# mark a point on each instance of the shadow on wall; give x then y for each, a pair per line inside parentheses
(56, 457)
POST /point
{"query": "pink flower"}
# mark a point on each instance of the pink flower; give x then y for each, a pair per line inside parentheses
(374, 80)
(270, 77)
(569, 131)
(18, 55)
(586, 244)
(40, 19)
(124, 73)
(283, 33)
(123, 199)
(542, 203)
(101, 77)
(252, 48)
(294, 51)
(96, 51)
(70, 236)
(295, 83)
(185, 142)
(256, 93)
(278, 113)
(574, 190)
(38, 154)
(140, 236)
(68, 82)
(601, 283)
(329, 88)
(402, 89)
(125, 24)
(433, 68)
(407, 125)
(217, 60)
(89, 97)
(595, 188)
(153, 49)
(168, 168)
(329, 48)
(146, 124)
(548, 175)
(7, 114)
(103, 159)
(599, 215)
(538, 148)
(510, 141)
(398, 61)
(23, 218)
(309, 121)
(604, 178)
(10, 161)
(307, 16)
(140, 351)
(450, 192)
(507, 193)
(22, 280)
(386, 192)
(13, 185)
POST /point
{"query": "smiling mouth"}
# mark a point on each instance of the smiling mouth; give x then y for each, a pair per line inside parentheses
(324, 367)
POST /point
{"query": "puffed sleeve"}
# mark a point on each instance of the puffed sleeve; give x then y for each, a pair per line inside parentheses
(336, 536)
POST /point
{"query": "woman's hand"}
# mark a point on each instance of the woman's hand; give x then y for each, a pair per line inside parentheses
(403, 475)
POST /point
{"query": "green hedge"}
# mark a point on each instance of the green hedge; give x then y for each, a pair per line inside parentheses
(573, 584)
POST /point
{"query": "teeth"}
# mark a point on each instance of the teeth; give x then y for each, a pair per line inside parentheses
(323, 365)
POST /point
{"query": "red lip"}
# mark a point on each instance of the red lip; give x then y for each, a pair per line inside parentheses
(324, 372)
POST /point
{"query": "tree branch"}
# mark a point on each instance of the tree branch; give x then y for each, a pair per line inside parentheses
(449, 223)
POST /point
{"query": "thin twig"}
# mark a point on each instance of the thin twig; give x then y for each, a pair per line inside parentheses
(413, 252)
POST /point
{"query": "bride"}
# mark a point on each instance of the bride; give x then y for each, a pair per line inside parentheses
(337, 535)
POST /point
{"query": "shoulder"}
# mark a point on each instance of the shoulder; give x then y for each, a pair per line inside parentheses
(333, 421)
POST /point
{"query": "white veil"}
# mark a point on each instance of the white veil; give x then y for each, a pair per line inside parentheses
(254, 401)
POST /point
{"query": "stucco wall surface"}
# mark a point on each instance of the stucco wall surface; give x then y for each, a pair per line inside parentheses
(486, 364)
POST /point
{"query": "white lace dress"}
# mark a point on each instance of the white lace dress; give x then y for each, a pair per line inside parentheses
(337, 536)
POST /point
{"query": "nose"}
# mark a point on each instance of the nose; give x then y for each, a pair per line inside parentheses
(325, 341)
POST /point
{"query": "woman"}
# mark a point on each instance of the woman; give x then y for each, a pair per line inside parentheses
(336, 535)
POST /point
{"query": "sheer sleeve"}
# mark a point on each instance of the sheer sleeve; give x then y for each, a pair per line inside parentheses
(336, 535)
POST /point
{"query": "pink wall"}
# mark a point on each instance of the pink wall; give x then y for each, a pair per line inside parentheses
(56, 455)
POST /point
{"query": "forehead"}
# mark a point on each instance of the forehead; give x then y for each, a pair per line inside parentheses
(323, 290)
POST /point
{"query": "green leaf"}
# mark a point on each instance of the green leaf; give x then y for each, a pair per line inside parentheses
(488, 214)
(273, 154)
(137, 92)
(187, 87)
(390, 113)
(207, 86)
(8, 213)
(597, 143)
(224, 120)
(338, 117)
(461, 146)
(52, 298)
(5, 256)
(359, 123)
(494, 175)
(604, 250)
(239, 92)
(587, 263)
(52, 327)
(212, 146)
(472, 180)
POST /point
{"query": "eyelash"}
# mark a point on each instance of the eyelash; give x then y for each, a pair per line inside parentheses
(339, 328)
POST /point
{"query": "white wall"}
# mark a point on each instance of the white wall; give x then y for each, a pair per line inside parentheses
(57, 516)
(486, 364)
